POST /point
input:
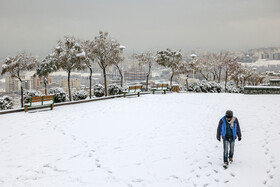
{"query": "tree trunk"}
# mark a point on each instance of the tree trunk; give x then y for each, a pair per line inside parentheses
(120, 72)
(121, 80)
(147, 80)
(21, 93)
(105, 81)
(171, 80)
(69, 86)
(219, 76)
(226, 81)
(187, 83)
(46, 93)
(90, 82)
(214, 76)
(204, 76)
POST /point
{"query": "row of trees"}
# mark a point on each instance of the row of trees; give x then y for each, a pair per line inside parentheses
(69, 55)
(72, 54)
(213, 67)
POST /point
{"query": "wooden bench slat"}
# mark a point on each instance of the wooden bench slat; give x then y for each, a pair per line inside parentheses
(48, 98)
(36, 99)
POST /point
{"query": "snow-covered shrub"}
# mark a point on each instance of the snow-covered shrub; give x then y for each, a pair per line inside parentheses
(205, 87)
(214, 87)
(79, 95)
(6, 102)
(114, 89)
(59, 93)
(99, 90)
(30, 93)
(232, 88)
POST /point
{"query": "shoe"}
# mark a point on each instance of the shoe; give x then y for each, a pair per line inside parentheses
(225, 165)
(230, 160)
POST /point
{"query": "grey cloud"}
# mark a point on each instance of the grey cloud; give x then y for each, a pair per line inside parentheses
(35, 25)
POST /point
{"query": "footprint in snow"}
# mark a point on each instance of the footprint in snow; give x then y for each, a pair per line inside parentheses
(74, 156)
(174, 176)
(226, 181)
(137, 180)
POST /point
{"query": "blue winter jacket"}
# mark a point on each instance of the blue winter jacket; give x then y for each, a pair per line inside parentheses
(221, 131)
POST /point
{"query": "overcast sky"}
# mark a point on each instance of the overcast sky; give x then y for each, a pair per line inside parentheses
(35, 26)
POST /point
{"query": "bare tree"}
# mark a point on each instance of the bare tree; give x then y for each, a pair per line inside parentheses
(146, 58)
(106, 52)
(69, 56)
(186, 69)
(18, 64)
(45, 69)
(203, 66)
(171, 59)
(219, 63)
(229, 65)
(236, 72)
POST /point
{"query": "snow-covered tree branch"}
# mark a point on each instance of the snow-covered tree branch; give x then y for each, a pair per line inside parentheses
(17, 65)
(69, 56)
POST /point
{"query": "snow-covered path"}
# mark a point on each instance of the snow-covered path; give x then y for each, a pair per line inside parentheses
(152, 140)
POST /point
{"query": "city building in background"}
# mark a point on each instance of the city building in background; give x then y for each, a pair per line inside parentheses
(75, 84)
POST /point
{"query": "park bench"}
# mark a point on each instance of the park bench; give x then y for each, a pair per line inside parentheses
(133, 89)
(160, 87)
(38, 102)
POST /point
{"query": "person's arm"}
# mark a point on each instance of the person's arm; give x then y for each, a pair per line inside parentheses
(219, 130)
(238, 130)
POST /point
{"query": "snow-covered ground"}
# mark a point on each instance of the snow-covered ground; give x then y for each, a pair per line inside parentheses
(153, 141)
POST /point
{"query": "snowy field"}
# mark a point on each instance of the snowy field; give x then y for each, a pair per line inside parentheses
(152, 140)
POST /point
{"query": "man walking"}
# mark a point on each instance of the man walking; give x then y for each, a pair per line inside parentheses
(229, 129)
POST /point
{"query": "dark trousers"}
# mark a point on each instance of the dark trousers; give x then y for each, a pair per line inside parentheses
(228, 144)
